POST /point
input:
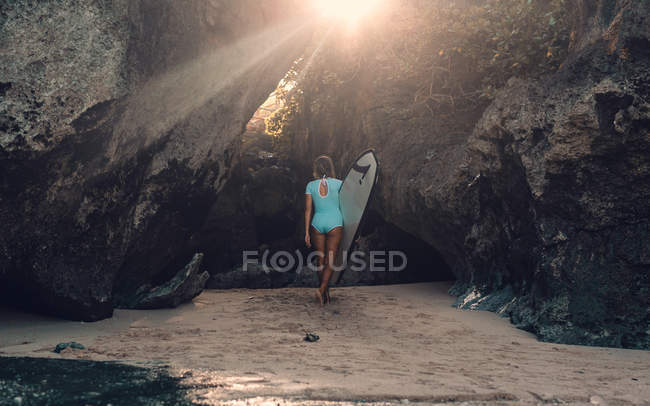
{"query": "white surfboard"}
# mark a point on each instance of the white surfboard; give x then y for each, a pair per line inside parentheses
(353, 198)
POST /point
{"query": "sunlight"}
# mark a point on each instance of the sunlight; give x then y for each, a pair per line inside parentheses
(350, 11)
(170, 97)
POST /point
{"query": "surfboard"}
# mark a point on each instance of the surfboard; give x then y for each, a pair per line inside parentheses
(353, 198)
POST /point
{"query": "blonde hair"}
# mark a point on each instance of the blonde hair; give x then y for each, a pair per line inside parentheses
(323, 166)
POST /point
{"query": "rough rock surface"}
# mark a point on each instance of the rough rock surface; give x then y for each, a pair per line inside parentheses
(561, 168)
(185, 286)
(540, 207)
(119, 124)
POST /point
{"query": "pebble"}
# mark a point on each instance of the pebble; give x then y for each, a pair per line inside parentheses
(597, 400)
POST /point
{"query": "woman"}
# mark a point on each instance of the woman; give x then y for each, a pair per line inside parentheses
(322, 194)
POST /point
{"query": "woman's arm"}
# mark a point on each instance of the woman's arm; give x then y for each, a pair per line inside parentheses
(308, 208)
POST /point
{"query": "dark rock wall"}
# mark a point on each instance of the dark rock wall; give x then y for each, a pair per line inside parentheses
(539, 202)
(119, 128)
(563, 168)
(58, 60)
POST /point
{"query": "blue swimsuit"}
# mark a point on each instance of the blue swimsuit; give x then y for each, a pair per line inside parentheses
(327, 213)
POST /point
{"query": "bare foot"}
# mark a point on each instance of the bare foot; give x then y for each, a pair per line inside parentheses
(319, 296)
(327, 296)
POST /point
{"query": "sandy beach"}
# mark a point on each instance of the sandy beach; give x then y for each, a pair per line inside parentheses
(397, 343)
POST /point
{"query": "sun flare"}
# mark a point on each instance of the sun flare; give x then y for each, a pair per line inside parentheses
(346, 10)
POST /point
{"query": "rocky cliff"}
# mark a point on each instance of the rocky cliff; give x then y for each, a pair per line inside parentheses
(561, 172)
(120, 157)
(538, 200)
(119, 126)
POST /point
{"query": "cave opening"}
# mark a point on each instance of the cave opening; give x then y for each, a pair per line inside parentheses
(267, 167)
(272, 175)
(424, 263)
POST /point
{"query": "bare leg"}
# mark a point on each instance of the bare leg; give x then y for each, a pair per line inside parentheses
(332, 245)
(318, 242)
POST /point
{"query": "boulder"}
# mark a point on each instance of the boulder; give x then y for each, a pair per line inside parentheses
(119, 129)
(183, 287)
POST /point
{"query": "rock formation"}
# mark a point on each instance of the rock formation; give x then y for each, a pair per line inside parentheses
(119, 128)
(539, 201)
(560, 170)
(183, 287)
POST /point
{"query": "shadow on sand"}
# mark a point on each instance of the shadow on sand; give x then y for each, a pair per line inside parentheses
(44, 381)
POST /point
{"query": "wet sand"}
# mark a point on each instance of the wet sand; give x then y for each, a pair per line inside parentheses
(398, 343)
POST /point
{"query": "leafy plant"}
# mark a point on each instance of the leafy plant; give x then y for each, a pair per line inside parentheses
(473, 50)
(451, 55)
